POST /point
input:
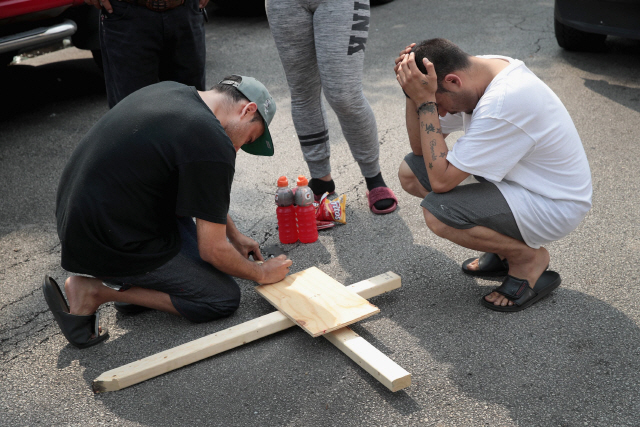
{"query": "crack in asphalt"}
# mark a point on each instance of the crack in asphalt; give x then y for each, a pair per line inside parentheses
(20, 299)
(15, 340)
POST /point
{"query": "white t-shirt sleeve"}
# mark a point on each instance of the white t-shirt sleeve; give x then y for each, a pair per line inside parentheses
(490, 148)
(451, 123)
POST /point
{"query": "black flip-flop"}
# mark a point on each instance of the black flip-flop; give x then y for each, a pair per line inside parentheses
(489, 265)
(77, 329)
(522, 295)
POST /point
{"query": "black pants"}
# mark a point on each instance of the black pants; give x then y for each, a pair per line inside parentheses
(141, 47)
(199, 291)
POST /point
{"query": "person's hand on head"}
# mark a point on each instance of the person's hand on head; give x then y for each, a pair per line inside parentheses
(419, 87)
(400, 57)
(99, 4)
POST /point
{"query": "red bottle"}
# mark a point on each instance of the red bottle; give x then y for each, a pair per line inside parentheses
(287, 227)
(305, 212)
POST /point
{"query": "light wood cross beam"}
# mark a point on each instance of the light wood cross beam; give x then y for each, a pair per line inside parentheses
(359, 350)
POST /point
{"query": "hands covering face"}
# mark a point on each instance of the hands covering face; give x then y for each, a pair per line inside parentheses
(419, 87)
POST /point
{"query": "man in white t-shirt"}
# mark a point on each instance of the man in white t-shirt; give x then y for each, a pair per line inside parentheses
(522, 146)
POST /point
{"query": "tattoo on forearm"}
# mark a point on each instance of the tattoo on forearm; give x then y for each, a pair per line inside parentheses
(428, 107)
(430, 165)
(443, 154)
(430, 128)
(432, 145)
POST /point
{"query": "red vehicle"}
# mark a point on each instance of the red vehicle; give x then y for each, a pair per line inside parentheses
(27, 25)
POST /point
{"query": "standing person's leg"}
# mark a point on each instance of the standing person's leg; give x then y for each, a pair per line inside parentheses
(292, 28)
(184, 56)
(341, 30)
(131, 42)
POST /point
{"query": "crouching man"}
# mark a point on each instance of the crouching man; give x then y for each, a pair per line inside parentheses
(519, 142)
(128, 195)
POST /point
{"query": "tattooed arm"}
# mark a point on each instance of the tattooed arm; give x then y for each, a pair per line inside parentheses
(413, 128)
(443, 176)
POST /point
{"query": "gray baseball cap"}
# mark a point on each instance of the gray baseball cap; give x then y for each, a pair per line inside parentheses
(256, 92)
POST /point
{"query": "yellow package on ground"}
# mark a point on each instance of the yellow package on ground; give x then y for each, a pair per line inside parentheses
(332, 210)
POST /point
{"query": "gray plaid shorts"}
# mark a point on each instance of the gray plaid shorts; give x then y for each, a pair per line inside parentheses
(467, 206)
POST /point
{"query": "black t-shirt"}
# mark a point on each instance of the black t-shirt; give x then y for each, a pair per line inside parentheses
(159, 153)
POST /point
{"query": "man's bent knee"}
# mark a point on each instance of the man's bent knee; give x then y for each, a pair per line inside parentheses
(435, 225)
(409, 181)
(203, 310)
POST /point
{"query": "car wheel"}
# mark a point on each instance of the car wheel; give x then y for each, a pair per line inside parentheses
(571, 39)
(379, 2)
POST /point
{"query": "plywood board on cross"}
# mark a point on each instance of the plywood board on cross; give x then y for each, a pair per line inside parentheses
(316, 302)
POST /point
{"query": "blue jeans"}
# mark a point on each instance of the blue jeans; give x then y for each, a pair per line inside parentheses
(141, 47)
(199, 291)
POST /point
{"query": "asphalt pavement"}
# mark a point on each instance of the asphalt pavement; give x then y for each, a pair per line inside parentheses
(571, 360)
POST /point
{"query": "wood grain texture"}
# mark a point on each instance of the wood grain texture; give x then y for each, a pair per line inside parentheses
(210, 345)
(316, 302)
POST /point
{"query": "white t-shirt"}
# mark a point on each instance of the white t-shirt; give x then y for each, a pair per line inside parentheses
(521, 137)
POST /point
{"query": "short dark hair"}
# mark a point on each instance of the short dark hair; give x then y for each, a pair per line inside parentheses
(445, 56)
(233, 94)
(231, 91)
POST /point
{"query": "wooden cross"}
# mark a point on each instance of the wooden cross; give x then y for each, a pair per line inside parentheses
(308, 298)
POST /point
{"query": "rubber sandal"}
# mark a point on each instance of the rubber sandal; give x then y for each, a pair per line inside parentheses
(519, 291)
(130, 309)
(489, 265)
(77, 329)
(381, 193)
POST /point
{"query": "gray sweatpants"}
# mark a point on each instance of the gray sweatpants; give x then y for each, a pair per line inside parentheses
(321, 45)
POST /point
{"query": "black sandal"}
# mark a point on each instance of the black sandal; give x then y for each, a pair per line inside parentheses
(77, 329)
(489, 265)
(521, 294)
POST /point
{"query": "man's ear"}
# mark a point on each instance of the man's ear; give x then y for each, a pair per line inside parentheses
(451, 80)
(249, 109)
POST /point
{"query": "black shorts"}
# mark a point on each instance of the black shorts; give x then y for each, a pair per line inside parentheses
(467, 206)
(199, 291)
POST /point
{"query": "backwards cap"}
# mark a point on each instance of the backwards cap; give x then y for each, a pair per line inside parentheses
(256, 92)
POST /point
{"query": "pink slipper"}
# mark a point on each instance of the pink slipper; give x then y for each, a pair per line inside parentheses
(381, 193)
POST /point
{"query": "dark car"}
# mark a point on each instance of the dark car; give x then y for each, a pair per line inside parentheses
(26, 25)
(585, 24)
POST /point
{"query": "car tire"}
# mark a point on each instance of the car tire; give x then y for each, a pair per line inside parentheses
(571, 39)
(379, 2)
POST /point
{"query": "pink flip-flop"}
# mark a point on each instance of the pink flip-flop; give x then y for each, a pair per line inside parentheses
(381, 193)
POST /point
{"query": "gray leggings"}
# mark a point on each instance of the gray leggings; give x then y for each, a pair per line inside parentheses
(321, 45)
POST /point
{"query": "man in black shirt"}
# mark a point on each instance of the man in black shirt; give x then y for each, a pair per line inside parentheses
(127, 196)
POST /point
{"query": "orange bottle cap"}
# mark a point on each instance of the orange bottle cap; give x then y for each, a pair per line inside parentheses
(302, 180)
(283, 181)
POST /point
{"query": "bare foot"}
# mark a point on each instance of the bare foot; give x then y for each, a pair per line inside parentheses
(475, 264)
(82, 295)
(530, 270)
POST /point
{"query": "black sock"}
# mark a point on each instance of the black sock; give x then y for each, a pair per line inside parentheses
(319, 187)
(375, 182)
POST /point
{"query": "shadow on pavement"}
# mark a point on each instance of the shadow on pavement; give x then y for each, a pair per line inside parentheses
(618, 63)
(530, 363)
(28, 89)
